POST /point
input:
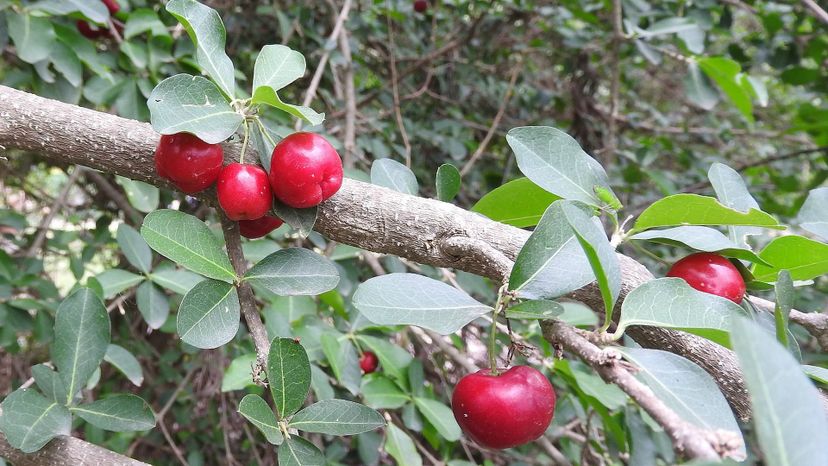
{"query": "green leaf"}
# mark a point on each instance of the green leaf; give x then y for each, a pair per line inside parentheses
(687, 389)
(186, 240)
(209, 314)
(726, 73)
(178, 281)
(784, 303)
(144, 197)
(297, 451)
(448, 182)
(118, 413)
(96, 11)
(698, 88)
(599, 251)
(519, 203)
(67, 63)
(410, 299)
(125, 362)
(787, 409)
(607, 394)
(144, 20)
(82, 333)
(239, 373)
(381, 393)
(320, 384)
(342, 357)
(294, 307)
(551, 262)
(29, 420)
(135, 249)
(294, 271)
(804, 258)
(813, 216)
(440, 416)
(33, 36)
(693, 209)
(555, 161)
(701, 239)
(301, 220)
(203, 25)
(288, 375)
(820, 374)
(266, 95)
(116, 281)
(256, 410)
(672, 303)
(732, 192)
(153, 305)
(276, 67)
(192, 104)
(394, 175)
(394, 360)
(535, 310)
(49, 382)
(337, 417)
(400, 446)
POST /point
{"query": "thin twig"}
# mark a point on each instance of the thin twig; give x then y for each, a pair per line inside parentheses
(395, 89)
(350, 101)
(618, 38)
(57, 205)
(816, 10)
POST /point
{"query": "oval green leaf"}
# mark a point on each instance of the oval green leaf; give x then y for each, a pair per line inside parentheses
(29, 420)
(209, 314)
(293, 272)
(337, 417)
(256, 410)
(118, 413)
(288, 375)
(519, 203)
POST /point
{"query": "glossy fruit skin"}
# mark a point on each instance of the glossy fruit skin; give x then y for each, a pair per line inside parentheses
(244, 192)
(190, 163)
(711, 273)
(420, 6)
(305, 170)
(253, 229)
(506, 410)
(112, 6)
(368, 362)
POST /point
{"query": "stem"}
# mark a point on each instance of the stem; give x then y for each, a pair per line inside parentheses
(501, 303)
(265, 134)
(246, 138)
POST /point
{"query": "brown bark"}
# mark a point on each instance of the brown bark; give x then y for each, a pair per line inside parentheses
(65, 450)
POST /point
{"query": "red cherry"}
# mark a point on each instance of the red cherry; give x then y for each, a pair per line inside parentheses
(504, 410)
(112, 6)
(305, 170)
(244, 192)
(420, 6)
(89, 31)
(710, 273)
(368, 362)
(260, 227)
(190, 163)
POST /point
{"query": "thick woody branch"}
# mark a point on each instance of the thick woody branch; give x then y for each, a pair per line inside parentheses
(65, 450)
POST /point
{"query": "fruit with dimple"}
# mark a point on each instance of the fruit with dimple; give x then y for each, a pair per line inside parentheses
(505, 410)
(244, 192)
(305, 170)
(368, 362)
(711, 273)
(190, 163)
(253, 229)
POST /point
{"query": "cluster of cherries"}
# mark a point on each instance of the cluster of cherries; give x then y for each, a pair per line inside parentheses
(304, 171)
(93, 32)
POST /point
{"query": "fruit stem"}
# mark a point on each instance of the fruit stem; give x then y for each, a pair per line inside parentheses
(502, 300)
(265, 134)
(244, 143)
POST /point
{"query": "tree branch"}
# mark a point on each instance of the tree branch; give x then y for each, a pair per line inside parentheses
(65, 450)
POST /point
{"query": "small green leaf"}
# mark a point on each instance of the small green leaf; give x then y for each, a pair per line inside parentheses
(186, 240)
(342, 357)
(813, 216)
(732, 192)
(144, 20)
(49, 382)
(535, 310)
(440, 416)
(153, 305)
(788, 411)
(804, 258)
(294, 271)
(192, 104)
(448, 182)
(239, 373)
(701, 239)
(784, 303)
(297, 451)
(337, 417)
(144, 197)
(178, 281)
(116, 281)
(410, 299)
(125, 362)
(692, 209)
(82, 333)
(400, 446)
(519, 203)
(29, 420)
(726, 73)
(33, 36)
(135, 249)
(256, 410)
(301, 220)
(381, 393)
(209, 314)
(288, 375)
(820, 374)
(394, 175)
(118, 413)
(698, 88)
(266, 95)
(276, 67)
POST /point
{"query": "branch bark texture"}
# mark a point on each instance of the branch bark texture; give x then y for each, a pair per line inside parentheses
(66, 450)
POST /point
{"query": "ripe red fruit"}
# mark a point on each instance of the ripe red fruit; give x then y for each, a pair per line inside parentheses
(190, 163)
(420, 6)
(112, 6)
(244, 192)
(504, 410)
(710, 273)
(89, 31)
(368, 362)
(305, 170)
(260, 227)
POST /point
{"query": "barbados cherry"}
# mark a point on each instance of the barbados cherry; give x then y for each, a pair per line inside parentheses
(112, 6)
(710, 273)
(368, 362)
(89, 31)
(260, 227)
(504, 410)
(244, 192)
(190, 163)
(305, 170)
(420, 6)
